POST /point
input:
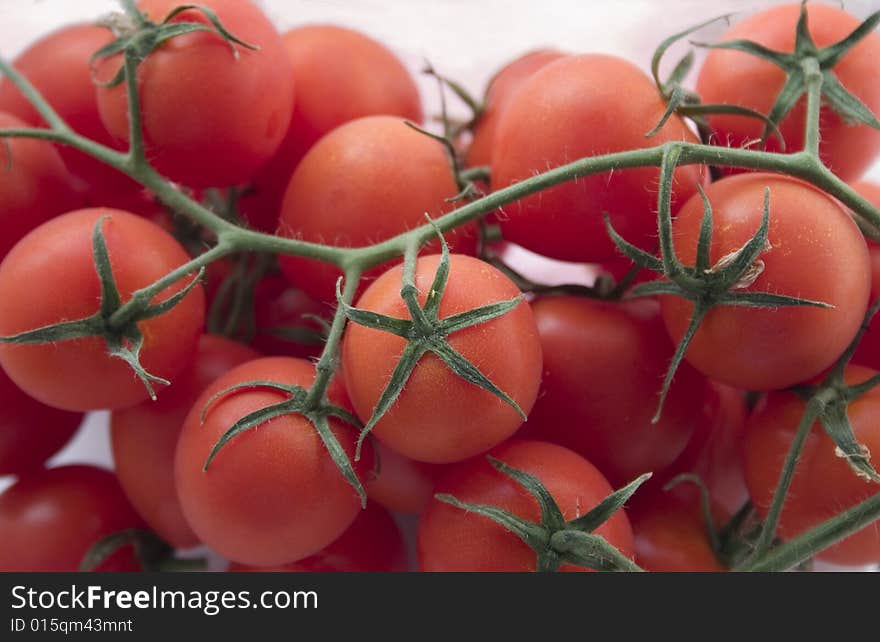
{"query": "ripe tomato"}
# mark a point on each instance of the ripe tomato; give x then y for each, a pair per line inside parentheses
(51, 518)
(209, 119)
(501, 87)
(575, 107)
(79, 374)
(272, 495)
(280, 307)
(402, 485)
(30, 432)
(739, 78)
(439, 417)
(393, 176)
(58, 65)
(824, 484)
(34, 185)
(450, 539)
(671, 537)
(868, 352)
(602, 366)
(340, 75)
(817, 253)
(144, 439)
(372, 544)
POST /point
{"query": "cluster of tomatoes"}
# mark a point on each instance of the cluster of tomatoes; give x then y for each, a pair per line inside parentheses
(306, 135)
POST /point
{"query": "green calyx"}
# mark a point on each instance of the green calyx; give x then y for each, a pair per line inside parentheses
(138, 37)
(298, 403)
(425, 332)
(115, 322)
(807, 58)
(555, 540)
(152, 553)
(704, 284)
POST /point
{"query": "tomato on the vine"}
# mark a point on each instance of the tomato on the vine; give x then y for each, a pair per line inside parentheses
(868, 351)
(144, 439)
(823, 484)
(211, 117)
(80, 374)
(402, 484)
(439, 417)
(739, 78)
(272, 495)
(815, 252)
(450, 539)
(51, 518)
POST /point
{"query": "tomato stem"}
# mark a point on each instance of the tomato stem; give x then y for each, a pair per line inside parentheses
(813, 78)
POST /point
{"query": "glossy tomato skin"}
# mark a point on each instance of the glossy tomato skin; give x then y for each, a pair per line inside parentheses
(672, 538)
(59, 66)
(393, 176)
(144, 439)
(209, 119)
(51, 518)
(34, 185)
(439, 417)
(823, 485)
(817, 253)
(340, 74)
(739, 78)
(603, 366)
(272, 495)
(868, 352)
(402, 484)
(575, 107)
(30, 432)
(372, 544)
(450, 539)
(79, 374)
(501, 87)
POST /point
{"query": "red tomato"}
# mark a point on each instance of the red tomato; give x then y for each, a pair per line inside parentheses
(450, 539)
(144, 439)
(817, 253)
(502, 86)
(34, 185)
(670, 537)
(824, 485)
(279, 307)
(340, 75)
(30, 432)
(79, 374)
(576, 107)
(402, 485)
(209, 119)
(394, 175)
(58, 65)
(603, 364)
(51, 518)
(372, 544)
(868, 352)
(272, 495)
(434, 418)
(739, 78)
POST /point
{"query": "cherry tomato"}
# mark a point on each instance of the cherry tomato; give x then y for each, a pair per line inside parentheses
(58, 65)
(393, 176)
(285, 319)
(402, 485)
(603, 364)
(210, 119)
(817, 253)
(372, 544)
(501, 87)
(34, 185)
(868, 352)
(824, 485)
(30, 432)
(450, 539)
(272, 495)
(80, 374)
(340, 75)
(434, 418)
(51, 518)
(739, 78)
(575, 107)
(144, 439)
(673, 538)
